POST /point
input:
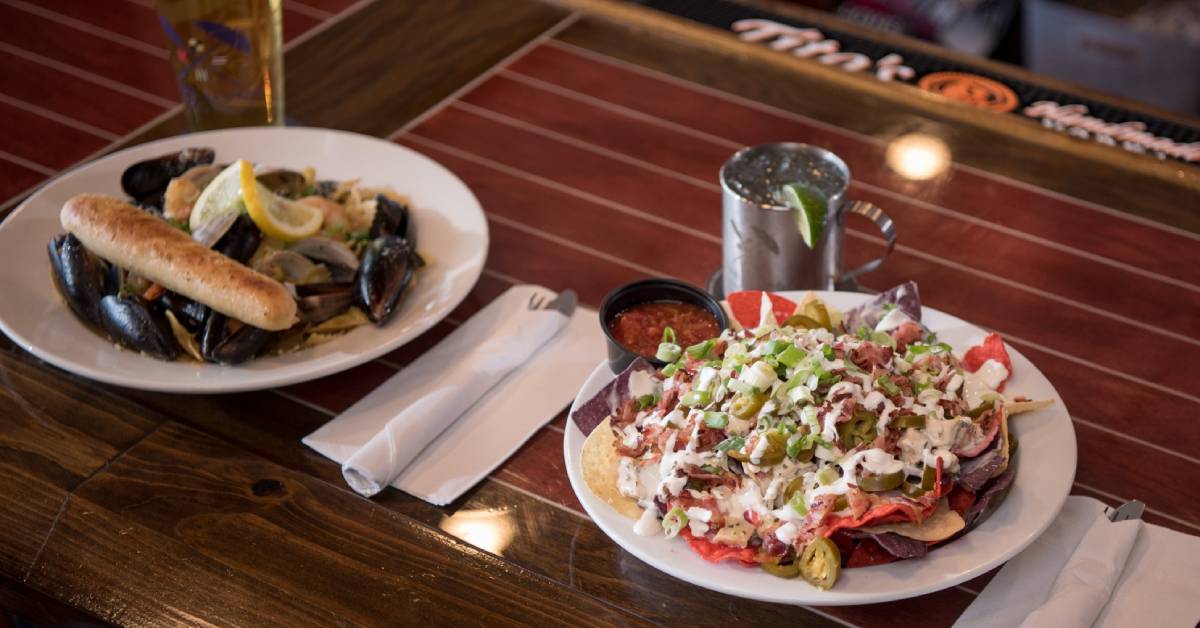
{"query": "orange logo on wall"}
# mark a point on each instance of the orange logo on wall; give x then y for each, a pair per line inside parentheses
(971, 89)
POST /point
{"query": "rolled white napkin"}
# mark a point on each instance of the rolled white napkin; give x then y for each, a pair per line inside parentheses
(426, 397)
(1088, 571)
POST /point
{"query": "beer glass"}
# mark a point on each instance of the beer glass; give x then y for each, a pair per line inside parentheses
(228, 60)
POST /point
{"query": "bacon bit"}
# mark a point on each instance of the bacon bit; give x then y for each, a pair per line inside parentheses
(713, 479)
(869, 355)
(889, 441)
(709, 438)
(938, 478)
(627, 413)
(751, 517)
(669, 398)
(858, 502)
(907, 333)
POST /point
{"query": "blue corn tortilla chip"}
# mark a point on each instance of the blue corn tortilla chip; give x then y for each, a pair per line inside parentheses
(894, 544)
(905, 296)
(973, 473)
(609, 399)
(989, 498)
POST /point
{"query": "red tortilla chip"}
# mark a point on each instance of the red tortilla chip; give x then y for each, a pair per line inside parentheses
(716, 552)
(866, 553)
(883, 513)
(746, 307)
(991, 349)
(961, 499)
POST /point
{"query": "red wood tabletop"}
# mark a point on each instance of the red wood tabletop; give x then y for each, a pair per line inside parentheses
(596, 165)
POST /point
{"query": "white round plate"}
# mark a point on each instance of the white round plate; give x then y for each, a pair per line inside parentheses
(452, 233)
(1045, 470)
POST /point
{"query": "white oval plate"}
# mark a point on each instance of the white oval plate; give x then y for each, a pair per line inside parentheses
(1045, 472)
(452, 231)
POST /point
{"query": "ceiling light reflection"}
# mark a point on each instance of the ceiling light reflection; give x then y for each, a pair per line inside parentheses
(491, 530)
(918, 156)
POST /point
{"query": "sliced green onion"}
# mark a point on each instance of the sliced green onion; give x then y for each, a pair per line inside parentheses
(716, 420)
(883, 338)
(701, 349)
(668, 352)
(738, 386)
(798, 503)
(674, 521)
(668, 335)
(733, 443)
(827, 476)
(646, 401)
(792, 356)
(863, 332)
(885, 382)
(760, 375)
(669, 370)
(694, 398)
(828, 351)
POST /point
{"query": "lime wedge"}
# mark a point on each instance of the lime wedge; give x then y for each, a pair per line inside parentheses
(811, 209)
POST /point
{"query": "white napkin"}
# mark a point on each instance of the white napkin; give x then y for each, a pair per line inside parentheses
(449, 418)
(1087, 571)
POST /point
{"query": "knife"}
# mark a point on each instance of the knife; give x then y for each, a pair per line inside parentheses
(565, 302)
(1131, 509)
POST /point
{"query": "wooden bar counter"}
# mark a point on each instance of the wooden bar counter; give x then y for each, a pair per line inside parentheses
(592, 133)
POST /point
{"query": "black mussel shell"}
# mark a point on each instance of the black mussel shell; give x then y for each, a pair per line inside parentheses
(129, 322)
(326, 188)
(146, 181)
(219, 345)
(241, 240)
(387, 269)
(189, 313)
(318, 308)
(392, 218)
(287, 183)
(81, 278)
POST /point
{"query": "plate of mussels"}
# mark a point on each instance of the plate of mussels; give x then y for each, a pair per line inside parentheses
(237, 259)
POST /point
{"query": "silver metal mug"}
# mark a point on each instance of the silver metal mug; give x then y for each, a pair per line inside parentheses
(762, 248)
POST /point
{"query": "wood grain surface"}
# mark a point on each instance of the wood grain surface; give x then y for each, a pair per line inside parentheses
(590, 142)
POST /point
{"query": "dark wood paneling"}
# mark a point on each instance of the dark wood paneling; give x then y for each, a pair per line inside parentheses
(392, 60)
(855, 105)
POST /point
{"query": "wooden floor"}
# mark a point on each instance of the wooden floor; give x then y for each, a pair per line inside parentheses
(593, 171)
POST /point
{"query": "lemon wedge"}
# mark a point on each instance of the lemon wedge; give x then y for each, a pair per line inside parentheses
(276, 216)
(236, 189)
(219, 198)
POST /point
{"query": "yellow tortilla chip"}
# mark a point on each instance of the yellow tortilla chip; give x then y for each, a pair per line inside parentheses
(940, 525)
(600, 460)
(1017, 407)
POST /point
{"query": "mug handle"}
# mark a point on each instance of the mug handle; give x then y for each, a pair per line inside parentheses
(886, 227)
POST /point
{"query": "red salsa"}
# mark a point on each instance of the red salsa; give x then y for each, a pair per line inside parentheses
(640, 327)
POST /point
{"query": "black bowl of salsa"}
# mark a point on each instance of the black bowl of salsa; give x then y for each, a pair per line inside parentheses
(634, 315)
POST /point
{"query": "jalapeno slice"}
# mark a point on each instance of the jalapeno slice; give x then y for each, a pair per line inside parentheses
(775, 449)
(858, 430)
(877, 483)
(801, 321)
(746, 405)
(909, 420)
(912, 490)
(841, 503)
(796, 484)
(821, 563)
(978, 410)
(928, 478)
(781, 570)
